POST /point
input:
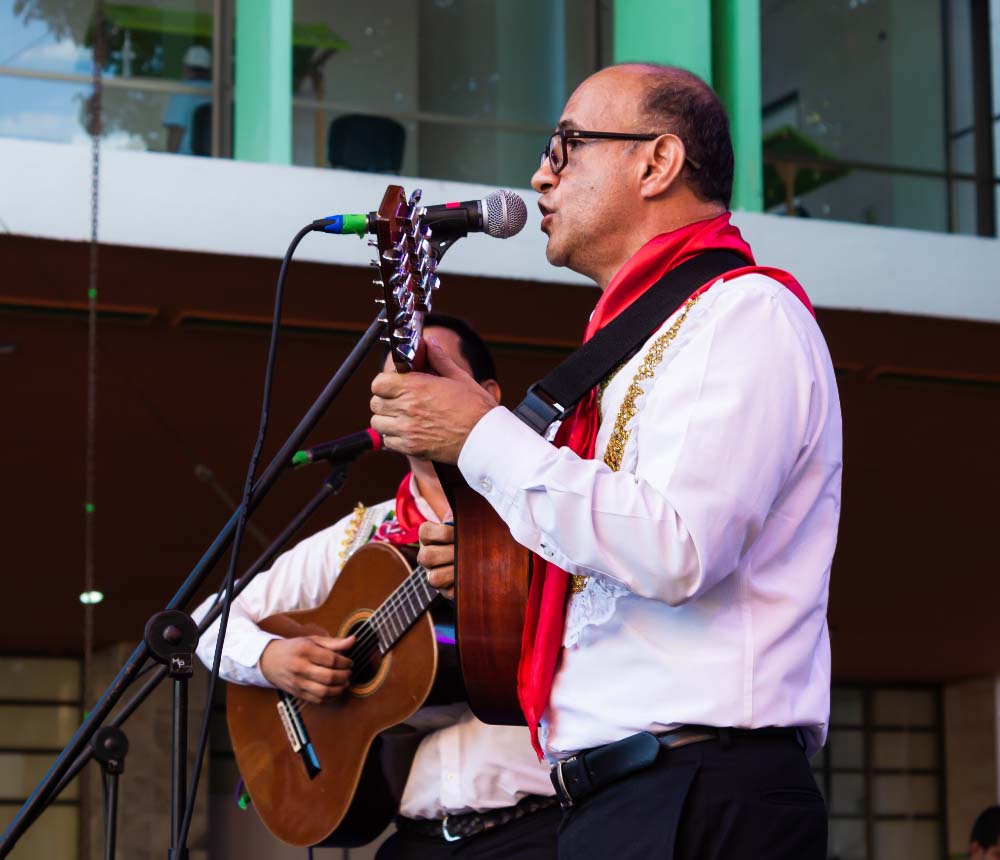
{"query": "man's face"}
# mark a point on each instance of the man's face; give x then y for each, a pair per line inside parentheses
(977, 852)
(586, 206)
(449, 341)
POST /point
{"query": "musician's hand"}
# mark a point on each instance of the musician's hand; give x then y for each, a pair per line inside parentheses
(437, 554)
(428, 416)
(310, 667)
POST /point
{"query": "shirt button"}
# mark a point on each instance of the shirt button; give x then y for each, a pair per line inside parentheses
(487, 485)
(547, 551)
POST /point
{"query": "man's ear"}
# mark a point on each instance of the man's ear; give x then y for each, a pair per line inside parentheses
(493, 387)
(664, 164)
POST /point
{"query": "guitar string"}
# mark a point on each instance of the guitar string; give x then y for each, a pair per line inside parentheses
(368, 641)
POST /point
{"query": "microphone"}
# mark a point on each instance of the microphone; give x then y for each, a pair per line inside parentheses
(500, 214)
(341, 450)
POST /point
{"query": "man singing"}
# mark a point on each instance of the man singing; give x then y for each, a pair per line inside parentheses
(676, 659)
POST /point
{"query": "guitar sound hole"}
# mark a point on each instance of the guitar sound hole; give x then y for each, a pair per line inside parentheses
(367, 660)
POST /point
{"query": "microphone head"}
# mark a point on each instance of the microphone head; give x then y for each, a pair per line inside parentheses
(506, 214)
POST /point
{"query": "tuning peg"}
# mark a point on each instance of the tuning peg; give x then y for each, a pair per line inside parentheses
(380, 302)
(372, 243)
(415, 197)
(386, 339)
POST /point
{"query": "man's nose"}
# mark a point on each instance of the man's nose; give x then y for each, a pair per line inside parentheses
(544, 179)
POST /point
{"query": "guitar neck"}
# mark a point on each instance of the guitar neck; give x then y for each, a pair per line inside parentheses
(404, 606)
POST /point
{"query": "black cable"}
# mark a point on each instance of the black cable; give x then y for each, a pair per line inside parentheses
(180, 848)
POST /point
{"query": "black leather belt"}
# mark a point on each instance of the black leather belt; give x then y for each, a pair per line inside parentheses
(581, 775)
(451, 828)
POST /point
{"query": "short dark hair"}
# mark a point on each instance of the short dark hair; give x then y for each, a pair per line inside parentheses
(986, 830)
(680, 102)
(473, 347)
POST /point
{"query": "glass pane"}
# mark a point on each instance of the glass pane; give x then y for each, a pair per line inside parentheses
(850, 70)
(837, 85)
(904, 708)
(846, 707)
(914, 840)
(905, 750)
(147, 40)
(36, 678)
(845, 748)
(481, 116)
(43, 110)
(45, 726)
(847, 839)
(905, 795)
(861, 196)
(847, 794)
(21, 772)
(45, 37)
(56, 111)
(54, 834)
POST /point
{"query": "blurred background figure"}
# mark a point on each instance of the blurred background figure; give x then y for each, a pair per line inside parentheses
(188, 115)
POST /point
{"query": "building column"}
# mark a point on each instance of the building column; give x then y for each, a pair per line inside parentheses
(674, 32)
(263, 81)
(718, 40)
(736, 76)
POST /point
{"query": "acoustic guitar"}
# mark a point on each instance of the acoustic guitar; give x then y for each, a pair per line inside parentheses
(492, 571)
(334, 772)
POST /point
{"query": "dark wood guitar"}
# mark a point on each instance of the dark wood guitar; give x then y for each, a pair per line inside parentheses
(493, 571)
(335, 772)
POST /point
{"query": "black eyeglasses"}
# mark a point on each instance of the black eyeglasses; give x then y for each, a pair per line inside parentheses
(557, 152)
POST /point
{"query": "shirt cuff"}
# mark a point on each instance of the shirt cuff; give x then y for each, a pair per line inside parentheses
(500, 456)
(247, 655)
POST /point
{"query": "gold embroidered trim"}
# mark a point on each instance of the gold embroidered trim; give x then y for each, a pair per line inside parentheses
(351, 533)
(619, 436)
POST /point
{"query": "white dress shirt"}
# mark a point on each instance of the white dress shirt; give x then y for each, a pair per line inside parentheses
(463, 766)
(709, 552)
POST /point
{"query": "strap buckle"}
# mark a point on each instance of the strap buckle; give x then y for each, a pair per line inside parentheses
(538, 410)
(565, 798)
(445, 833)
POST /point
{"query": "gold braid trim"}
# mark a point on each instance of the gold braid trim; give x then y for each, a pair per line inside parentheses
(619, 436)
(352, 531)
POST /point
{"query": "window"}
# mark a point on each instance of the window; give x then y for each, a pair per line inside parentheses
(158, 74)
(869, 112)
(39, 711)
(446, 89)
(881, 772)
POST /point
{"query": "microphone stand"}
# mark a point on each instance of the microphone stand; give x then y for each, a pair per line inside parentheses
(164, 627)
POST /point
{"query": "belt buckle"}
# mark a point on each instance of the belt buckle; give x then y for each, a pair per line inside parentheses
(565, 798)
(445, 833)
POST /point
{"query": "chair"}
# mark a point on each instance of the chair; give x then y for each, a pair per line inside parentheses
(371, 144)
(201, 130)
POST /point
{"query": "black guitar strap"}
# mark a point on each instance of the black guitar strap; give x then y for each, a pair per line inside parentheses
(551, 398)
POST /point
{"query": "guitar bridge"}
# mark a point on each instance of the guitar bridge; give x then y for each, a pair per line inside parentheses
(298, 737)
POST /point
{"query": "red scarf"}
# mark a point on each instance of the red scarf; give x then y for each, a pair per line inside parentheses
(404, 528)
(545, 618)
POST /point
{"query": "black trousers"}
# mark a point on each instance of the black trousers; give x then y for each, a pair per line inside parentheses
(754, 798)
(532, 837)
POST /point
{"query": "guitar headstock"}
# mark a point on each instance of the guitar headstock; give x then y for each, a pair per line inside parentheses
(406, 265)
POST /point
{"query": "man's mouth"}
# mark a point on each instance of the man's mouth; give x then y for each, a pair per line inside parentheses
(547, 215)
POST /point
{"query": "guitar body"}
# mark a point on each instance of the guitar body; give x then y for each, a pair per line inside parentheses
(302, 799)
(492, 576)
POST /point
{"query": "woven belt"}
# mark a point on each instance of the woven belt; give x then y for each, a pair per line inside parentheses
(586, 772)
(451, 828)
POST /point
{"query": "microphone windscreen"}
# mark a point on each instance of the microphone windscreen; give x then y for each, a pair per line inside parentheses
(506, 214)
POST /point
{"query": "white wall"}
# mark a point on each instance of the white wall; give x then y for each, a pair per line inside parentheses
(188, 203)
